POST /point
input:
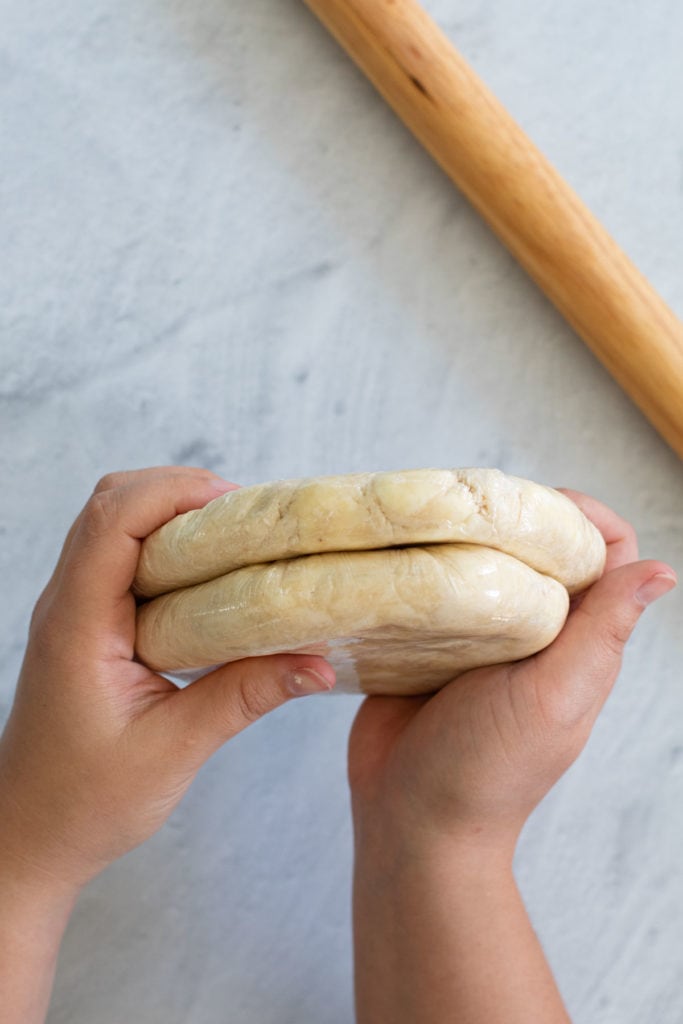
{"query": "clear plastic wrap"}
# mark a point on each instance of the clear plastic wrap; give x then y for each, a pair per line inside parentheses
(402, 620)
(402, 579)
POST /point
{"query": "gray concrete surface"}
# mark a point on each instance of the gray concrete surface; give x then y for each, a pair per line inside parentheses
(220, 248)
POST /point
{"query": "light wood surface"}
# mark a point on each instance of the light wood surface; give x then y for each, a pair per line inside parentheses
(522, 197)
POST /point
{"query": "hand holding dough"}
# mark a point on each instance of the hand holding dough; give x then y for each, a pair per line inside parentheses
(347, 567)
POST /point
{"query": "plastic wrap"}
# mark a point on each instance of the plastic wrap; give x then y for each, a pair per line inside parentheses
(401, 620)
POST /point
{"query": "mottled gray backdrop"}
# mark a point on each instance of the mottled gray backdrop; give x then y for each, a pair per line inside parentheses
(220, 248)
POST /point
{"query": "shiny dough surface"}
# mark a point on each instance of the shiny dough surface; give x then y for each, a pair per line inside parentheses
(402, 620)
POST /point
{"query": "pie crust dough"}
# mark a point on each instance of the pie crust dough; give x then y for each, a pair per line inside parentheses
(368, 511)
(403, 580)
(403, 620)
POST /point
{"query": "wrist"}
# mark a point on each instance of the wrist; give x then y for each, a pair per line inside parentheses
(34, 912)
(35, 852)
(424, 905)
(28, 875)
(30, 893)
(401, 840)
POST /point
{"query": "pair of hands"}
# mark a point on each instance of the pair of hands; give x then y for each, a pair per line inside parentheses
(98, 749)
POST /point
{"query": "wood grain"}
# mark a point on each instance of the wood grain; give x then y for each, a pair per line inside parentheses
(526, 202)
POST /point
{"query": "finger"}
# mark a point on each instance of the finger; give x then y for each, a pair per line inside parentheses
(219, 705)
(620, 537)
(100, 563)
(123, 478)
(575, 674)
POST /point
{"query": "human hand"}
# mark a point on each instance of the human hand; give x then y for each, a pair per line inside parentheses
(472, 761)
(99, 749)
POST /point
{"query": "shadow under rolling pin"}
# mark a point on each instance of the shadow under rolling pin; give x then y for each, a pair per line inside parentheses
(519, 193)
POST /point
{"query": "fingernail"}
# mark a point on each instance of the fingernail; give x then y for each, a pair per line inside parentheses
(223, 486)
(657, 586)
(305, 681)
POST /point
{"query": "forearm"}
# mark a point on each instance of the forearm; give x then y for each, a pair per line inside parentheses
(33, 916)
(442, 935)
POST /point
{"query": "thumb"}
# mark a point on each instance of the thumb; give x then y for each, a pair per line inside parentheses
(222, 703)
(577, 671)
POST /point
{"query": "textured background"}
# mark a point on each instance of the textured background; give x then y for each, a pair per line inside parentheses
(220, 248)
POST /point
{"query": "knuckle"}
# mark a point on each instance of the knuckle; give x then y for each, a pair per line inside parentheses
(629, 533)
(614, 636)
(199, 471)
(253, 702)
(46, 636)
(108, 482)
(563, 710)
(566, 704)
(610, 634)
(628, 543)
(38, 614)
(100, 512)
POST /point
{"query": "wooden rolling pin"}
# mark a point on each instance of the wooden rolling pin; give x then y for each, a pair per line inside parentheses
(532, 210)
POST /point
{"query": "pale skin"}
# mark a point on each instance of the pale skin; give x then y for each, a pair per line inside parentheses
(441, 788)
(99, 750)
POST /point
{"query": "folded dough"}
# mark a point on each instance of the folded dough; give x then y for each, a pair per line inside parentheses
(402, 580)
(369, 511)
(402, 620)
